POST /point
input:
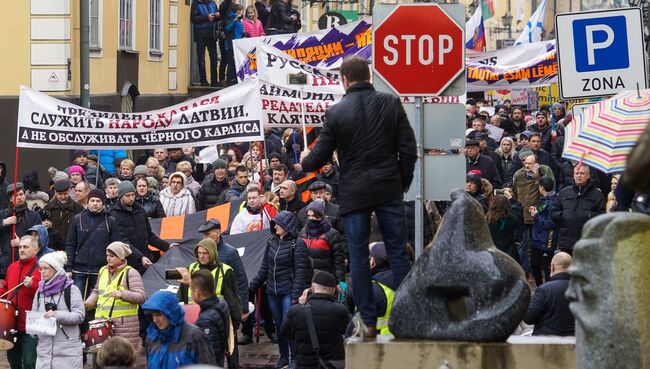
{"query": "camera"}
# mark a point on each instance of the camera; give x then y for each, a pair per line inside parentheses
(50, 306)
(498, 192)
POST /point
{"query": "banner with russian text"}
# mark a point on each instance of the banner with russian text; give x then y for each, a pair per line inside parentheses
(325, 49)
(229, 115)
(517, 67)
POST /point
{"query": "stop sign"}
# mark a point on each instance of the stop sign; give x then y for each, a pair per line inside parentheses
(418, 49)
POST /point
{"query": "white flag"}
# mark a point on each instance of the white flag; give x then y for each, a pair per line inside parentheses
(533, 30)
(473, 23)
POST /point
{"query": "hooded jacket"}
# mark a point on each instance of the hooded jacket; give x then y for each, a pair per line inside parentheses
(212, 192)
(544, 234)
(229, 289)
(62, 214)
(284, 265)
(326, 249)
(181, 203)
(178, 345)
(90, 233)
(572, 208)
(43, 240)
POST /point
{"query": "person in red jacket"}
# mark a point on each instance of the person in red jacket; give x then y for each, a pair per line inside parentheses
(24, 270)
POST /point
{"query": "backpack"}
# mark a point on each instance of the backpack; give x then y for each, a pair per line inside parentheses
(84, 326)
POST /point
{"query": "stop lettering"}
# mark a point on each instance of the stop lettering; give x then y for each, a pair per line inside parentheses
(418, 50)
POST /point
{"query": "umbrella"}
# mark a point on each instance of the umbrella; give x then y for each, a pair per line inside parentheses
(604, 134)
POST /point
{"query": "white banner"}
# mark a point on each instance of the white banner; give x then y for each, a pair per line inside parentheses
(228, 115)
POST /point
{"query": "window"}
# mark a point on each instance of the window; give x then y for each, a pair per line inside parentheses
(155, 21)
(127, 24)
(95, 24)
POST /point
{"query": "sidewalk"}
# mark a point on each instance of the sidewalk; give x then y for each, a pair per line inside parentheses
(260, 355)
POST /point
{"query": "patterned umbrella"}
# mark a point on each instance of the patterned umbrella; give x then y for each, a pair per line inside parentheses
(605, 132)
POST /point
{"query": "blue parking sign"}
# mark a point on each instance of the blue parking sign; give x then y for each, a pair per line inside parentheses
(601, 43)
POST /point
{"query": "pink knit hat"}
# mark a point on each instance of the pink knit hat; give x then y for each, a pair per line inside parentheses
(76, 169)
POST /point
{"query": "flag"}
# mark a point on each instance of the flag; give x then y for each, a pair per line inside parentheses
(487, 8)
(475, 31)
(534, 28)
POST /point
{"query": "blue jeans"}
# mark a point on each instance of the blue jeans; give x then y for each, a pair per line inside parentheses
(85, 283)
(390, 216)
(523, 247)
(279, 308)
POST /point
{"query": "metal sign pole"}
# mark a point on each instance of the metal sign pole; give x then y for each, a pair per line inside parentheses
(418, 177)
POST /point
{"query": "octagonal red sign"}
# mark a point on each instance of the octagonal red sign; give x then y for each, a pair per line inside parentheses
(418, 49)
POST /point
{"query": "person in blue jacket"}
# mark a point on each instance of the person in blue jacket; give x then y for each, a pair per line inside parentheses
(234, 31)
(171, 342)
(41, 233)
(107, 158)
(204, 15)
(544, 233)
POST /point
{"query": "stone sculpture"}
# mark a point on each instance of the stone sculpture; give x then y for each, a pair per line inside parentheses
(609, 292)
(462, 288)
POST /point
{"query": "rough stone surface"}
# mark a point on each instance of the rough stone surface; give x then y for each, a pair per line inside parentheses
(462, 288)
(609, 292)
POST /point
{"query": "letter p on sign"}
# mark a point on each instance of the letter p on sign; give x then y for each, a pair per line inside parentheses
(601, 44)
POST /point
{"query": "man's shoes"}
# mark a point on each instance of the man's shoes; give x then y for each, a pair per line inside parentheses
(205, 83)
(371, 333)
(362, 332)
(245, 340)
(214, 84)
(273, 337)
(282, 362)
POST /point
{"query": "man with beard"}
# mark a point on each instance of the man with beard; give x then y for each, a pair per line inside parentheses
(62, 208)
(16, 220)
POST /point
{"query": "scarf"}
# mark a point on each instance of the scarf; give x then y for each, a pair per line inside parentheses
(253, 211)
(317, 227)
(112, 271)
(55, 285)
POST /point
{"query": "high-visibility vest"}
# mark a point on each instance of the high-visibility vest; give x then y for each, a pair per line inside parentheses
(222, 270)
(105, 287)
(382, 321)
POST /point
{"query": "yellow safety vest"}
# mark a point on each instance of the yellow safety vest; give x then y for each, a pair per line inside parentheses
(105, 287)
(218, 279)
(382, 321)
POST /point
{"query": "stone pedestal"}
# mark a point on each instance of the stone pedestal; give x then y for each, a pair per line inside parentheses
(519, 352)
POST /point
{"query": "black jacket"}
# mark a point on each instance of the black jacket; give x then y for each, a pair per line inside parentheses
(152, 206)
(331, 212)
(213, 321)
(230, 256)
(326, 252)
(487, 167)
(26, 220)
(135, 226)
(294, 206)
(376, 147)
(279, 19)
(211, 193)
(89, 235)
(572, 208)
(262, 13)
(330, 320)
(284, 266)
(62, 214)
(549, 309)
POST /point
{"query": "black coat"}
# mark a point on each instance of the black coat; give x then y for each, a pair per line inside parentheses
(89, 235)
(279, 20)
(151, 205)
(487, 167)
(135, 226)
(213, 321)
(62, 214)
(211, 193)
(330, 321)
(376, 147)
(572, 208)
(331, 260)
(262, 13)
(549, 309)
(26, 220)
(229, 255)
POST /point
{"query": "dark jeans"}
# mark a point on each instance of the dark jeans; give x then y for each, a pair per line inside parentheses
(85, 282)
(540, 264)
(279, 308)
(228, 59)
(390, 216)
(23, 354)
(222, 63)
(201, 44)
(523, 248)
(249, 325)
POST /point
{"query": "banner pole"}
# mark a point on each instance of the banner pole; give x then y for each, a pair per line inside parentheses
(304, 124)
(13, 226)
(99, 155)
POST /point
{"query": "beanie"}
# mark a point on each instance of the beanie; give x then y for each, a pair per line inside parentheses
(378, 252)
(219, 163)
(318, 207)
(140, 170)
(62, 185)
(120, 249)
(60, 176)
(76, 169)
(324, 279)
(55, 259)
(96, 193)
(124, 187)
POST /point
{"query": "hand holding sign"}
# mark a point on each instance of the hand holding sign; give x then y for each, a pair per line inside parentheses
(37, 324)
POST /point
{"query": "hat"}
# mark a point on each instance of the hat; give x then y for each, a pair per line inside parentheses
(140, 170)
(557, 105)
(328, 189)
(526, 133)
(11, 187)
(219, 163)
(539, 113)
(318, 207)
(62, 185)
(95, 192)
(124, 187)
(55, 259)
(275, 155)
(318, 185)
(378, 252)
(471, 142)
(44, 214)
(324, 279)
(468, 131)
(92, 157)
(470, 101)
(76, 169)
(213, 223)
(474, 178)
(120, 249)
(152, 182)
(59, 175)
(480, 136)
(78, 153)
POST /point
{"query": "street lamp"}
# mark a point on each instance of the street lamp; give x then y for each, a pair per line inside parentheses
(507, 23)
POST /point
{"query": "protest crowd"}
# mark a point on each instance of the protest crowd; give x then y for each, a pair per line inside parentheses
(340, 235)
